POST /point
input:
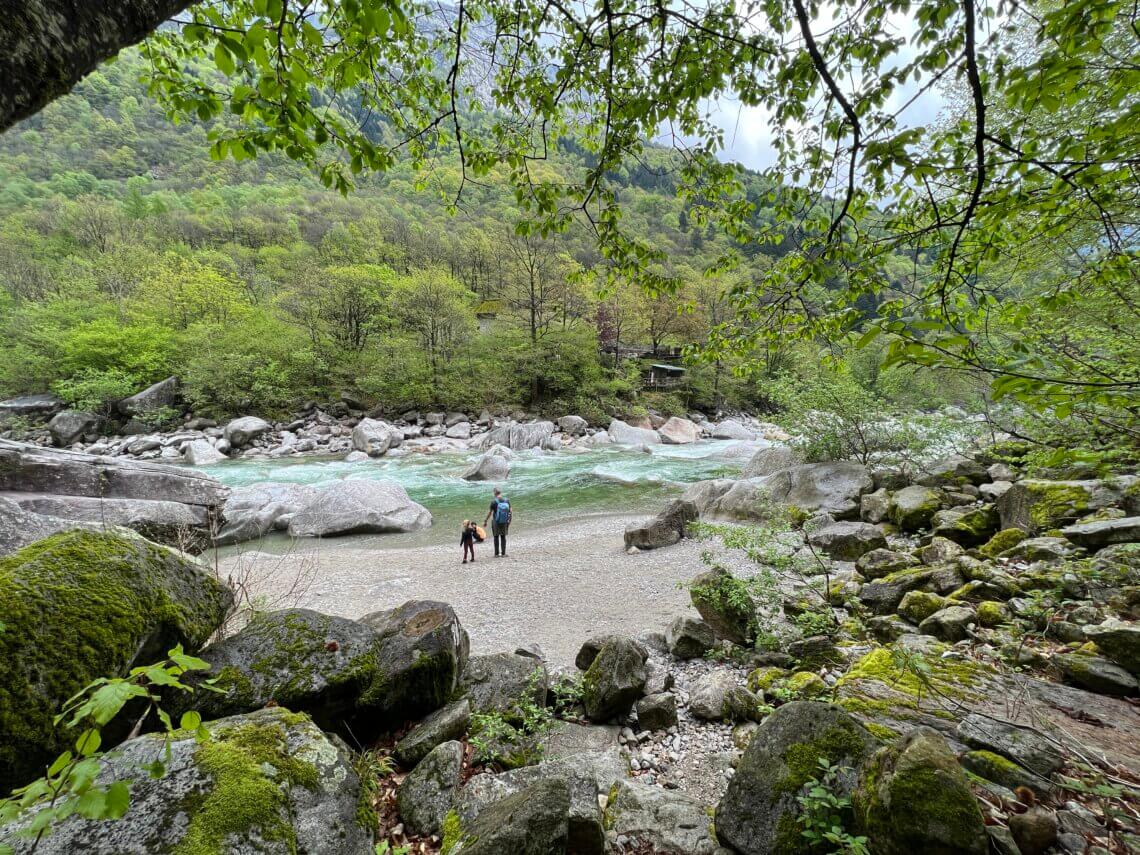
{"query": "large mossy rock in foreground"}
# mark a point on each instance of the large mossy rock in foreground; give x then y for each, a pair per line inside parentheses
(353, 677)
(759, 813)
(915, 798)
(268, 782)
(78, 606)
(422, 651)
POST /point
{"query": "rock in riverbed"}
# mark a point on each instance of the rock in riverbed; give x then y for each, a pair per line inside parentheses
(359, 507)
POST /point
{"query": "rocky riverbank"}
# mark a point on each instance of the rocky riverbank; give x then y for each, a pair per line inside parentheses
(950, 654)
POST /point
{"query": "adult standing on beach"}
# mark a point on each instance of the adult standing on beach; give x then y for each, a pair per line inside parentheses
(499, 513)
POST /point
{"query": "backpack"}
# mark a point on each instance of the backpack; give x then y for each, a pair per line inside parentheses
(503, 512)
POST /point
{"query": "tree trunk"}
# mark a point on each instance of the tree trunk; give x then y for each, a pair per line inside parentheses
(47, 46)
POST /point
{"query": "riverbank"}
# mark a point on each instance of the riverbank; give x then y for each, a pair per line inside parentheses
(561, 583)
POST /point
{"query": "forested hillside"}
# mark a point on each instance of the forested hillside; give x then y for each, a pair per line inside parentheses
(128, 255)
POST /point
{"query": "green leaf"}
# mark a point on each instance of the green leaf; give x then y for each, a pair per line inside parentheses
(190, 720)
(88, 742)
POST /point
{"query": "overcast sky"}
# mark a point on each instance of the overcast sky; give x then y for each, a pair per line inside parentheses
(747, 130)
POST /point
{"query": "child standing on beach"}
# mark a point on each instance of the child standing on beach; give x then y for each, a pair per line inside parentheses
(467, 540)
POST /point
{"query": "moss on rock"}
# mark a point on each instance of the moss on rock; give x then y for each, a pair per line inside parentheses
(914, 797)
(805, 685)
(1005, 539)
(81, 605)
(765, 677)
(991, 613)
(917, 606)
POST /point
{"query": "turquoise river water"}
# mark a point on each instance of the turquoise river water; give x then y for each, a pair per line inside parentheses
(542, 487)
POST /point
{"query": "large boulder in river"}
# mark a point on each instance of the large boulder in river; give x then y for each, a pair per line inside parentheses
(678, 431)
(172, 504)
(731, 429)
(163, 394)
(82, 605)
(622, 433)
(915, 798)
(665, 529)
(767, 461)
(493, 465)
(255, 511)
(242, 431)
(833, 488)
(573, 425)
(759, 813)
(267, 782)
(519, 437)
(359, 507)
(375, 437)
(199, 452)
(69, 426)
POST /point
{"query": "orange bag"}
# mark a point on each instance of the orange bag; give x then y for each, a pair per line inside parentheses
(480, 534)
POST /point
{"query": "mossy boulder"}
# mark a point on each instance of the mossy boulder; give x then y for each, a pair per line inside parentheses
(423, 650)
(759, 813)
(912, 508)
(883, 596)
(1005, 539)
(805, 685)
(266, 782)
(991, 613)
(1036, 505)
(914, 680)
(917, 606)
(914, 797)
(972, 528)
(350, 678)
(882, 562)
(1001, 770)
(1119, 641)
(726, 605)
(949, 624)
(299, 659)
(765, 677)
(82, 605)
(615, 680)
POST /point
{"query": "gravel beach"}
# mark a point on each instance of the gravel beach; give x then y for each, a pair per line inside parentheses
(560, 584)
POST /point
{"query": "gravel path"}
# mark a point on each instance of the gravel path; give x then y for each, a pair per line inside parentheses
(559, 586)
